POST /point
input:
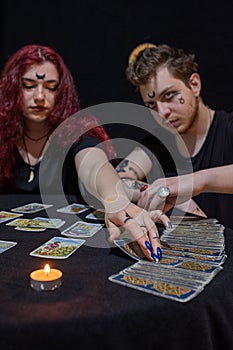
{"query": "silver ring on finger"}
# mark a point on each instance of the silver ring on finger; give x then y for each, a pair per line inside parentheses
(163, 192)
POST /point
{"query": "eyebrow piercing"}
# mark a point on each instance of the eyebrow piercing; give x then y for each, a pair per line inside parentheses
(40, 76)
(151, 96)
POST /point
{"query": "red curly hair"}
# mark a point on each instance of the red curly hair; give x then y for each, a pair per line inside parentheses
(66, 104)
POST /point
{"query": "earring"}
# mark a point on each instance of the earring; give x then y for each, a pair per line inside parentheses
(181, 99)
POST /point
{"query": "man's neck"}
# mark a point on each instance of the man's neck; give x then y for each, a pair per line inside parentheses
(195, 137)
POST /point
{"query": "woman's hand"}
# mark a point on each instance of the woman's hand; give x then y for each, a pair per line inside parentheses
(141, 227)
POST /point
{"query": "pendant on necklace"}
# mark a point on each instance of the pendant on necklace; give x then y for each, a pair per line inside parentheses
(31, 174)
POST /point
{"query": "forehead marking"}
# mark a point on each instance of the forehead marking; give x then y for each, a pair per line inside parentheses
(151, 95)
(40, 76)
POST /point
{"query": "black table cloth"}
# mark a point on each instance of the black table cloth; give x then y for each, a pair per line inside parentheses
(90, 312)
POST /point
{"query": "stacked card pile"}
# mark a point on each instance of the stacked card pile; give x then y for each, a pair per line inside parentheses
(193, 253)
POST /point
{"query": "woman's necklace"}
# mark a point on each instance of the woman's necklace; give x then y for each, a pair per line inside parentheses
(33, 139)
(32, 167)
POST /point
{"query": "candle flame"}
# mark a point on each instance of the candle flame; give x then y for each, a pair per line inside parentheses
(47, 269)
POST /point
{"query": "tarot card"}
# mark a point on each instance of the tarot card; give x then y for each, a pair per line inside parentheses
(31, 208)
(199, 257)
(5, 245)
(6, 216)
(178, 218)
(38, 222)
(73, 209)
(198, 243)
(96, 215)
(48, 222)
(183, 248)
(199, 266)
(131, 248)
(30, 229)
(21, 222)
(81, 229)
(58, 248)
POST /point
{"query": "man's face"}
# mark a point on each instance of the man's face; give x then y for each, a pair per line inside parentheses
(172, 99)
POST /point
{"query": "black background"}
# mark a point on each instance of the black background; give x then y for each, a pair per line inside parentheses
(96, 37)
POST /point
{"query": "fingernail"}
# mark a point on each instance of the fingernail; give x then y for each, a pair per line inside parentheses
(155, 257)
(169, 224)
(148, 245)
(159, 253)
(143, 188)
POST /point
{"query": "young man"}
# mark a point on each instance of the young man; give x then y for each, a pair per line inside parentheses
(169, 84)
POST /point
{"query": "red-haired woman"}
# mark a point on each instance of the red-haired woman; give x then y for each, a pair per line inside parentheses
(43, 140)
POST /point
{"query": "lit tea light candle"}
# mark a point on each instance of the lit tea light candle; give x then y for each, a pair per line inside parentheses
(45, 279)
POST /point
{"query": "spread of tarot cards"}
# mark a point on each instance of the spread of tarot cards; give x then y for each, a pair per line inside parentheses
(193, 254)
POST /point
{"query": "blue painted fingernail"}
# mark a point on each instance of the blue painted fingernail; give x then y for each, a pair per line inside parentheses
(159, 253)
(169, 224)
(155, 257)
(148, 245)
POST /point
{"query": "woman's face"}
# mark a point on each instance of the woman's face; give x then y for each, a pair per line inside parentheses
(40, 83)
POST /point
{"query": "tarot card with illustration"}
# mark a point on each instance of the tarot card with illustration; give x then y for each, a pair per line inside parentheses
(6, 216)
(73, 208)
(82, 229)
(31, 208)
(5, 245)
(58, 248)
